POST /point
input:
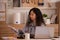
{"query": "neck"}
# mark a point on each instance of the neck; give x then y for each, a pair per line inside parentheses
(34, 22)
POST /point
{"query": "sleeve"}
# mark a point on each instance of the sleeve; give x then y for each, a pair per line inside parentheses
(25, 29)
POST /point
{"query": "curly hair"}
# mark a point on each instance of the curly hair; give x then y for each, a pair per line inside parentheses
(39, 17)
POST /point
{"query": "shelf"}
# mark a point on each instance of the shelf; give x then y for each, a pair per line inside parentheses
(25, 8)
(2, 11)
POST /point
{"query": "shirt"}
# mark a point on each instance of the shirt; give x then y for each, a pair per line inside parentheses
(30, 29)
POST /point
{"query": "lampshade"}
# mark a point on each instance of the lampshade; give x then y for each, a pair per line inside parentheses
(17, 18)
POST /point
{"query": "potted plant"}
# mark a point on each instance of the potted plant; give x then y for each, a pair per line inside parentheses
(44, 15)
(48, 21)
(46, 18)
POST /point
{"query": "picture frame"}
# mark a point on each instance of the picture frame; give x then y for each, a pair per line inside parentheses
(23, 1)
(13, 4)
(9, 4)
(16, 3)
(27, 1)
(40, 2)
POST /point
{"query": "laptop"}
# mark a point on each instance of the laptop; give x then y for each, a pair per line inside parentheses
(44, 32)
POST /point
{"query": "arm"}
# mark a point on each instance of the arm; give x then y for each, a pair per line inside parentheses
(14, 29)
(25, 29)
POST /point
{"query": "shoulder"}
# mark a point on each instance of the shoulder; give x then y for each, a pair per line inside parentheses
(43, 25)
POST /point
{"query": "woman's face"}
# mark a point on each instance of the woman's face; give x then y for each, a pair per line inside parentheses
(32, 16)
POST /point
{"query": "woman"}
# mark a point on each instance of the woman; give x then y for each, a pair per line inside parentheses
(35, 18)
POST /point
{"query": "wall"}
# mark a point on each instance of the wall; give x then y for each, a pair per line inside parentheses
(3, 1)
(11, 12)
(24, 13)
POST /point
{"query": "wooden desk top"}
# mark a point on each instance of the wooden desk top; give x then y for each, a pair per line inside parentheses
(12, 38)
(20, 26)
(6, 31)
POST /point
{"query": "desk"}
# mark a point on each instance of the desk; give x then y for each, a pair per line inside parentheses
(5, 31)
(12, 38)
(20, 26)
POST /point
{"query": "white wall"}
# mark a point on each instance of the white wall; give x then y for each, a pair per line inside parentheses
(3, 1)
(11, 12)
(24, 13)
